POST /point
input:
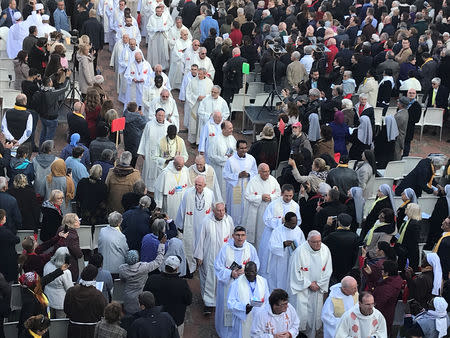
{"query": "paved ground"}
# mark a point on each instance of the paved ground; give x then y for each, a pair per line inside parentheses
(196, 324)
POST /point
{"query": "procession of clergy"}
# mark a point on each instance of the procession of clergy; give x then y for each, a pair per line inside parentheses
(234, 217)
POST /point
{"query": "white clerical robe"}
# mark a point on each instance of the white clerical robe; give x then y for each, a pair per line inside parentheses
(136, 71)
(227, 255)
(34, 19)
(273, 218)
(266, 324)
(213, 235)
(16, 34)
(189, 55)
(147, 10)
(220, 147)
(204, 63)
(45, 28)
(334, 307)
(235, 186)
(149, 148)
(158, 43)
(278, 265)
(170, 187)
(176, 61)
(175, 34)
(192, 211)
(132, 31)
(243, 292)
(254, 206)
(125, 58)
(170, 108)
(149, 94)
(103, 7)
(208, 132)
(182, 96)
(114, 62)
(210, 177)
(195, 89)
(354, 324)
(166, 81)
(207, 107)
(307, 266)
(168, 149)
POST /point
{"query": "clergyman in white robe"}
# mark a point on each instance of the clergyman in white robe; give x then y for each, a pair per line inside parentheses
(149, 148)
(216, 230)
(170, 145)
(200, 168)
(150, 92)
(372, 325)
(273, 218)
(136, 75)
(309, 274)
(114, 61)
(131, 30)
(210, 130)
(170, 187)
(196, 91)
(336, 305)
(169, 105)
(16, 34)
(158, 41)
(239, 163)
(244, 292)
(177, 59)
(197, 203)
(125, 58)
(210, 104)
(228, 254)
(182, 96)
(280, 255)
(266, 323)
(260, 191)
(202, 61)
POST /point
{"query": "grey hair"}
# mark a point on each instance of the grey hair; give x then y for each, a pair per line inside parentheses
(437, 161)
(218, 88)
(54, 194)
(3, 183)
(178, 18)
(114, 219)
(308, 50)
(240, 10)
(59, 257)
(347, 72)
(203, 69)
(96, 172)
(363, 96)
(347, 104)
(158, 226)
(436, 80)
(219, 41)
(139, 187)
(313, 233)
(107, 155)
(296, 55)
(145, 202)
(47, 147)
(202, 49)
(125, 158)
(314, 92)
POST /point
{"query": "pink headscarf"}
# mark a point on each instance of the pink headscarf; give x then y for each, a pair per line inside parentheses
(339, 117)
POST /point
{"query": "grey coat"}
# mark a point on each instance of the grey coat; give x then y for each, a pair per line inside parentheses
(21, 71)
(365, 177)
(112, 244)
(135, 277)
(42, 167)
(401, 117)
(86, 72)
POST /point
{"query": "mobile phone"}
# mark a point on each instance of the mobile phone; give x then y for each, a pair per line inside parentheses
(69, 171)
(66, 229)
(407, 263)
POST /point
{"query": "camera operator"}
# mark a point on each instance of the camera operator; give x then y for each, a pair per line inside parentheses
(29, 87)
(270, 71)
(232, 75)
(47, 102)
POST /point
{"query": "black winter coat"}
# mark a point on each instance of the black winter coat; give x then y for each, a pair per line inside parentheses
(333, 208)
(8, 263)
(51, 221)
(94, 29)
(417, 179)
(344, 179)
(29, 207)
(13, 216)
(134, 126)
(153, 323)
(135, 225)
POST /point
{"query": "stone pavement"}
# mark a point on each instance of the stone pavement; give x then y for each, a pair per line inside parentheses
(196, 325)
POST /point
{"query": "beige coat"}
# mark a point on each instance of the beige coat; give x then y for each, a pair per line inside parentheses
(370, 87)
(120, 181)
(85, 72)
(296, 73)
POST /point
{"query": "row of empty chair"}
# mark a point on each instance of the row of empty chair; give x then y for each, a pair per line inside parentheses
(426, 204)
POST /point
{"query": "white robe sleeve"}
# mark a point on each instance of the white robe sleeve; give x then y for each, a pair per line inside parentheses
(179, 222)
(228, 175)
(298, 280)
(225, 110)
(234, 303)
(343, 330)
(222, 273)
(325, 275)
(159, 188)
(198, 251)
(276, 246)
(260, 320)
(254, 169)
(252, 198)
(269, 220)
(254, 256)
(144, 140)
(327, 316)
(214, 156)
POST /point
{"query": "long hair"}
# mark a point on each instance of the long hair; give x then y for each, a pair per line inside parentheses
(92, 99)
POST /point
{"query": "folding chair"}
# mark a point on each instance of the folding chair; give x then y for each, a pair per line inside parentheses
(85, 235)
(391, 111)
(260, 99)
(397, 202)
(239, 102)
(433, 117)
(368, 205)
(427, 203)
(97, 229)
(255, 88)
(378, 112)
(379, 181)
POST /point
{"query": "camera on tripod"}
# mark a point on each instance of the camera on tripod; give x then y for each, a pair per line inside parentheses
(277, 48)
(74, 34)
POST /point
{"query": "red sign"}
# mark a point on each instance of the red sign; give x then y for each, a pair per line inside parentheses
(118, 124)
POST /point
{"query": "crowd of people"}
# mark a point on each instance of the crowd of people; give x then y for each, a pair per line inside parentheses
(276, 231)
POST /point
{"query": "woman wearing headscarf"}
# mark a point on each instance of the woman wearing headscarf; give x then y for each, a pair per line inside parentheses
(314, 128)
(355, 207)
(407, 239)
(135, 273)
(309, 198)
(385, 199)
(408, 196)
(361, 138)
(385, 142)
(366, 172)
(433, 322)
(375, 262)
(340, 133)
(75, 142)
(423, 286)
(84, 305)
(56, 290)
(60, 180)
(382, 231)
(440, 212)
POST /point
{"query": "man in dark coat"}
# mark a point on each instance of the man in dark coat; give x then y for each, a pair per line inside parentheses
(94, 29)
(9, 204)
(421, 177)
(101, 143)
(8, 263)
(134, 126)
(427, 72)
(189, 13)
(414, 112)
(17, 124)
(150, 322)
(438, 95)
(7, 16)
(343, 177)
(77, 124)
(136, 222)
(329, 107)
(331, 207)
(171, 291)
(30, 40)
(232, 75)
(343, 245)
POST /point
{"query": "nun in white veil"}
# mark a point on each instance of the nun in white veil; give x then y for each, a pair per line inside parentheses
(314, 127)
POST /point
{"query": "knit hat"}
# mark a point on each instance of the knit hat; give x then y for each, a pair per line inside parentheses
(132, 257)
(28, 279)
(173, 261)
(344, 219)
(17, 16)
(45, 17)
(89, 273)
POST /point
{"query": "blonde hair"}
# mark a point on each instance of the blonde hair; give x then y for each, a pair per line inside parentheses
(54, 195)
(70, 219)
(20, 181)
(320, 164)
(413, 212)
(96, 172)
